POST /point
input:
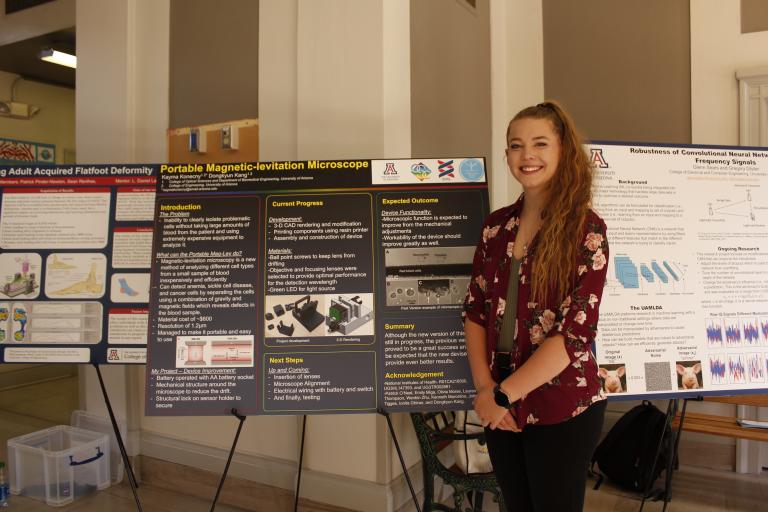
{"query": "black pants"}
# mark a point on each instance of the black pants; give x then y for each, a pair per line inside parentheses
(544, 467)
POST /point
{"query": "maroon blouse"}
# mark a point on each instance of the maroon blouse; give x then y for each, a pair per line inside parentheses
(578, 385)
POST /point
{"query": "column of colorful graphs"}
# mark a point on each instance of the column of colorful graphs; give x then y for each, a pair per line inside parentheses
(738, 368)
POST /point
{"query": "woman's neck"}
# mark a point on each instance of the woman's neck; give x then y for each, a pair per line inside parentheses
(533, 205)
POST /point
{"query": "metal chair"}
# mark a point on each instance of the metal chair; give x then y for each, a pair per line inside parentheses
(435, 431)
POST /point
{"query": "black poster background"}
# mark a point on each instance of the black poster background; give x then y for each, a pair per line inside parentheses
(332, 245)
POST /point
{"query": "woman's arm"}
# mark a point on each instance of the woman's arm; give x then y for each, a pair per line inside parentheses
(485, 406)
(474, 335)
(545, 363)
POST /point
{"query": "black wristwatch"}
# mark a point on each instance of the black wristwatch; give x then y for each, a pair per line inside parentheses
(500, 397)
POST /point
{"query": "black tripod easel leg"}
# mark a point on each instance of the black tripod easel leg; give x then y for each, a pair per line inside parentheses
(402, 460)
(120, 444)
(672, 456)
(671, 411)
(229, 459)
(301, 462)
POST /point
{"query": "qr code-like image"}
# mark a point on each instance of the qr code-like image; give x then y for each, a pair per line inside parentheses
(658, 377)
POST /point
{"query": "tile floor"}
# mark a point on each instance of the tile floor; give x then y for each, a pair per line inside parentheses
(38, 406)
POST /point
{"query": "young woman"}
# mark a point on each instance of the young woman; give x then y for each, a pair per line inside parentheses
(531, 318)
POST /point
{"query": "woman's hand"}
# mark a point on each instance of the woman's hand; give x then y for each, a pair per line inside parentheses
(492, 415)
(508, 422)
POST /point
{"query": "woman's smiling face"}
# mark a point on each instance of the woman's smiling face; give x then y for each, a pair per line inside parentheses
(533, 152)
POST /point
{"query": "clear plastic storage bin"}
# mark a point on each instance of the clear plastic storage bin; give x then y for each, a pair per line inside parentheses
(102, 424)
(59, 464)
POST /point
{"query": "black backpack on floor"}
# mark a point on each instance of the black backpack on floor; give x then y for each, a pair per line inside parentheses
(626, 453)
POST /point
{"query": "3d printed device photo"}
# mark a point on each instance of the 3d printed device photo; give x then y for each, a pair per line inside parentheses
(346, 315)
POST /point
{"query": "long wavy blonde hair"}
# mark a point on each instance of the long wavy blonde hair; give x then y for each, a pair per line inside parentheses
(569, 200)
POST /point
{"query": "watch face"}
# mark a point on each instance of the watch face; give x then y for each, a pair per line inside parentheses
(500, 398)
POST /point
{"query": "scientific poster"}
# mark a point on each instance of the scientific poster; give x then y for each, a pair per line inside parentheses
(312, 286)
(685, 309)
(75, 252)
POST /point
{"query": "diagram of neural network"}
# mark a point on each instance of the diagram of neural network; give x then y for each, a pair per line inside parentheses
(653, 275)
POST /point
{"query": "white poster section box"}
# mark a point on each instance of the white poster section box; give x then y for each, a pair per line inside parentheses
(59, 464)
(685, 306)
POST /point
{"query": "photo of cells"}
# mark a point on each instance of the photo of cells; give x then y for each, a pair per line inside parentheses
(717, 368)
(736, 369)
(732, 333)
(714, 333)
(755, 369)
(751, 333)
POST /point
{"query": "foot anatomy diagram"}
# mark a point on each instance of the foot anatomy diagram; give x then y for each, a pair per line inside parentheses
(57, 264)
(88, 285)
(20, 316)
(126, 289)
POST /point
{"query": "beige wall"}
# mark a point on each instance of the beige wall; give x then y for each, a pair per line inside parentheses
(339, 79)
(517, 80)
(270, 436)
(277, 88)
(35, 21)
(54, 124)
(718, 49)
(754, 16)
(122, 81)
(621, 68)
(214, 61)
(11, 368)
(450, 79)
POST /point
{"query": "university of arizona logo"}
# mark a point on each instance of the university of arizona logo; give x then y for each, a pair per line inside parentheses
(445, 168)
(390, 169)
(421, 171)
(597, 158)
